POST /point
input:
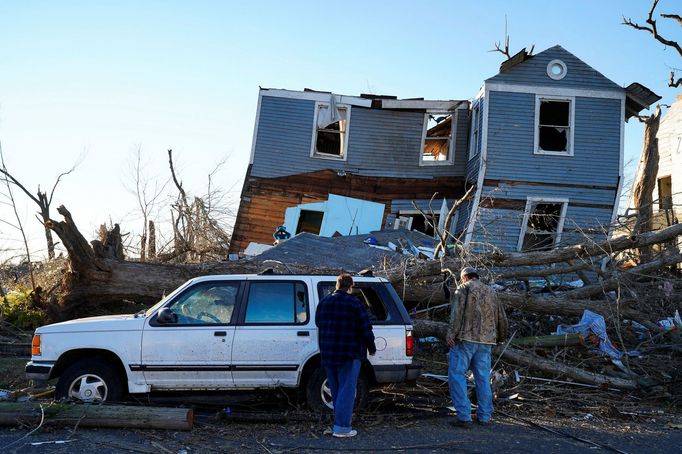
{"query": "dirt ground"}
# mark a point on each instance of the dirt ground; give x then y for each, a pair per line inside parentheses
(392, 423)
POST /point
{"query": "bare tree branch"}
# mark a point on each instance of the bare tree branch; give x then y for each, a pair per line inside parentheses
(653, 30)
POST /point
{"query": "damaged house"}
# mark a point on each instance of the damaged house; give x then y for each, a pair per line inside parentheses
(542, 142)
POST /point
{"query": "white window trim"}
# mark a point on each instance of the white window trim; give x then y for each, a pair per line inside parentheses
(344, 152)
(571, 125)
(396, 223)
(526, 214)
(475, 112)
(453, 138)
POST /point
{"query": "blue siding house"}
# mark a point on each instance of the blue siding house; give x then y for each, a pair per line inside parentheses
(542, 142)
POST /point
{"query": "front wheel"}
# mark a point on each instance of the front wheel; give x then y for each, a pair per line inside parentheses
(90, 380)
(319, 395)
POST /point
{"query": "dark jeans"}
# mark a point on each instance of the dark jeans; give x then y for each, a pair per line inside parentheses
(343, 379)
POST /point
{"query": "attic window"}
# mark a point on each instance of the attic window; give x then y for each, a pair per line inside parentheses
(437, 139)
(556, 69)
(554, 132)
(330, 136)
(543, 223)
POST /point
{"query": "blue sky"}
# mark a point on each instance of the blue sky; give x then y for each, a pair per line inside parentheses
(97, 80)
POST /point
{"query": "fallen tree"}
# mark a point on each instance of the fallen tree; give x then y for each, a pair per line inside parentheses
(95, 277)
(428, 328)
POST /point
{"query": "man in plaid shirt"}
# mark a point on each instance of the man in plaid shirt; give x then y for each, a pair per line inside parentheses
(345, 335)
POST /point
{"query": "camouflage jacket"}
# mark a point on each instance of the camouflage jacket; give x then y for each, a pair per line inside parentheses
(476, 314)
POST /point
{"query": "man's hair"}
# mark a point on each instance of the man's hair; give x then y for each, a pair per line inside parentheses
(344, 282)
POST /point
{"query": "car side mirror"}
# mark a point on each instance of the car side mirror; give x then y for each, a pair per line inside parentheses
(166, 316)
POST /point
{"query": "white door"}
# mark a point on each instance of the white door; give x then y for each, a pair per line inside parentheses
(275, 334)
(194, 350)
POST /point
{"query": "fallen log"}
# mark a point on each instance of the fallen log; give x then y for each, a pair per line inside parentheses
(430, 328)
(562, 340)
(559, 369)
(84, 415)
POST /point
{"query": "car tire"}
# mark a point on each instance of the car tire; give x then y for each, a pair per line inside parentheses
(90, 380)
(319, 397)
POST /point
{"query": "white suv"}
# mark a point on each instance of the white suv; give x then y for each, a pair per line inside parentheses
(221, 333)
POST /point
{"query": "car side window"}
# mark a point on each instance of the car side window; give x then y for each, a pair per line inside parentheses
(206, 304)
(277, 302)
(368, 294)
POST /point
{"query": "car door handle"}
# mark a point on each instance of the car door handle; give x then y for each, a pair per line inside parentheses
(303, 333)
(220, 333)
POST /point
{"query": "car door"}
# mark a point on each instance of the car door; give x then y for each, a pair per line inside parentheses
(193, 349)
(275, 333)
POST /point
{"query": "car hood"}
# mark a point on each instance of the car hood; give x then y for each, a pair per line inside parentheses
(103, 323)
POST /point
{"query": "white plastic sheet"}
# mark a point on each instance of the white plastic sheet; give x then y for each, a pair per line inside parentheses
(594, 323)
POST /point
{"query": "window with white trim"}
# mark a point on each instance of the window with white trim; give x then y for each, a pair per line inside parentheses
(437, 139)
(473, 142)
(554, 128)
(330, 135)
(543, 222)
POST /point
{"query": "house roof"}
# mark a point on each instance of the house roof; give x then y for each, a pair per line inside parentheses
(371, 100)
(532, 70)
(316, 251)
(638, 98)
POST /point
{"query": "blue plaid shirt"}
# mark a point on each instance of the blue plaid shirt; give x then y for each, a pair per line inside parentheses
(344, 330)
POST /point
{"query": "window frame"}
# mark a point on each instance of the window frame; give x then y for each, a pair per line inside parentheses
(453, 138)
(170, 303)
(473, 144)
(571, 125)
(241, 318)
(344, 137)
(393, 314)
(526, 214)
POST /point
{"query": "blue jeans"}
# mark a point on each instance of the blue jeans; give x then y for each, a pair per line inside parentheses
(469, 355)
(342, 380)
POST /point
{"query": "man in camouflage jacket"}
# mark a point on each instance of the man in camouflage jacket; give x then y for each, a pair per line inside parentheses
(477, 323)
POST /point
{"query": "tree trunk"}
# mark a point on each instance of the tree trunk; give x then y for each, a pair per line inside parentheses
(644, 187)
(151, 250)
(117, 416)
(45, 215)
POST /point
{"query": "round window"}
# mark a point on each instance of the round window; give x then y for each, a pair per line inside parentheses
(556, 69)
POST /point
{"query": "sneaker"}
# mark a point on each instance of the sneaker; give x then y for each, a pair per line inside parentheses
(462, 424)
(482, 423)
(327, 431)
(352, 433)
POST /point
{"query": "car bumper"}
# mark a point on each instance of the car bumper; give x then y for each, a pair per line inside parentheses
(397, 373)
(38, 371)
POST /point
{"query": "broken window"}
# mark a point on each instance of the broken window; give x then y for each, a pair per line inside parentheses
(665, 193)
(437, 139)
(310, 221)
(473, 145)
(543, 225)
(665, 199)
(414, 220)
(554, 126)
(331, 127)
